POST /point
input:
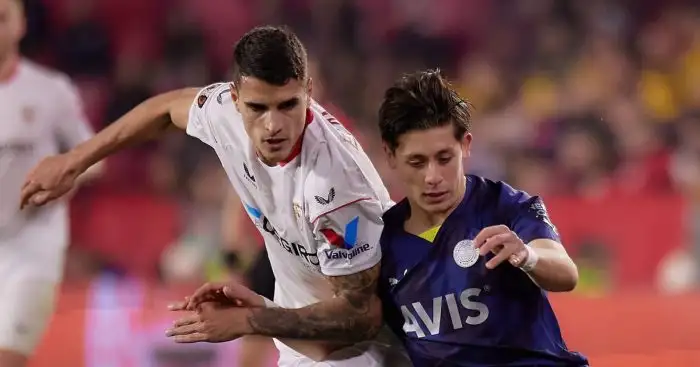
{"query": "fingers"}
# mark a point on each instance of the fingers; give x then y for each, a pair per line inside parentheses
(188, 329)
(190, 338)
(183, 330)
(205, 307)
(204, 293)
(187, 320)
(488, 232)
(30, 188)
(518, 258)
(502, 242)
(494, 243)
(179, 306)
(243, 296)
(41, 198)
(498, 259)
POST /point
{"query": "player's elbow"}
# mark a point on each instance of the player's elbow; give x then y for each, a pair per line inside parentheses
(368, 322)
(568, 278)
(375, 318)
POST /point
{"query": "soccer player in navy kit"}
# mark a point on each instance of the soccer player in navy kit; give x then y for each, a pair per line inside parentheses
(466, 261)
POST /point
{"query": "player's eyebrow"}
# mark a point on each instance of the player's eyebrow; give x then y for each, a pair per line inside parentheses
(256, 106)
(288, 103)
(414, 156)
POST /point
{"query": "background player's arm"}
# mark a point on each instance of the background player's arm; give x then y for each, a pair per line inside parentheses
(146, 121)
(353, 315)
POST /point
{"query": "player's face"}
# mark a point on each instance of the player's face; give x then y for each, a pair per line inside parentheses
(274, 116)
(11, 26)
(429, 162)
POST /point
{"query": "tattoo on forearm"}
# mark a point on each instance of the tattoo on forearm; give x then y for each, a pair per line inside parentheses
(354, 314)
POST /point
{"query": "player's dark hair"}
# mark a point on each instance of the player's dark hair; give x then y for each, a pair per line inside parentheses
(274, 55)
(422, 101)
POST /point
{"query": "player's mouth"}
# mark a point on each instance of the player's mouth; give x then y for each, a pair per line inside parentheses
(435, 197)
(275, 143)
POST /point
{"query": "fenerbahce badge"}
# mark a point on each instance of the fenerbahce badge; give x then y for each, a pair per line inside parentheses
(465, 254)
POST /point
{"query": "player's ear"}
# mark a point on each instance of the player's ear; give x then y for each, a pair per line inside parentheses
(234, 95)
(466, 144)
(390, 156)
(309, 90)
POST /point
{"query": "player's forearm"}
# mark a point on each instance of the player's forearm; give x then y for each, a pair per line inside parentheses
(146, 121)
(554, 271)
(338, 319)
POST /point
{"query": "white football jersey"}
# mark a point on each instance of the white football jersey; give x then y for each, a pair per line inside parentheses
(320, 212)
(41, 114)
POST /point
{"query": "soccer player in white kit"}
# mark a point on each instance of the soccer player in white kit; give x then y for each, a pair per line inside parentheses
(40, 113)
(305, 182)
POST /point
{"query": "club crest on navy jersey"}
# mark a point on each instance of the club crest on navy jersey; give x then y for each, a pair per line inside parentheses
(465, 253)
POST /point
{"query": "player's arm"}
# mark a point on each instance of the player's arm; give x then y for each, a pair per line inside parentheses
(56, 175)
(554, 270)
(354, 313)
(545, 260)
(529, 240)
(146, 121)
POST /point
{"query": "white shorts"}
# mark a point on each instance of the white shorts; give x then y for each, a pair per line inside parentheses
(26, 306)
(365, 354)
(30, 271)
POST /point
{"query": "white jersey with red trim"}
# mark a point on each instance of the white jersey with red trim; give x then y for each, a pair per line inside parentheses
(41, 114)
(320, 213)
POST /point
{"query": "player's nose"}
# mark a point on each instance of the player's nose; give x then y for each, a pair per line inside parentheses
(273, 123)
(432, 174)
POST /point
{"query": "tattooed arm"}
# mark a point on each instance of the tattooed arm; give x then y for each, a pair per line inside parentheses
(353, 315)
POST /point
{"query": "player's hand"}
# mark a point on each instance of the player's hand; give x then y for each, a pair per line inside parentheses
(504, 243)
(52, 178)
(211, 324)
(231, 294)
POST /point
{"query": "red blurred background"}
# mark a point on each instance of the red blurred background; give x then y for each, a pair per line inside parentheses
(593, 104)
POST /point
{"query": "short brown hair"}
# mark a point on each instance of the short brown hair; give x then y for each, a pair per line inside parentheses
(421, 101)
(272, 54)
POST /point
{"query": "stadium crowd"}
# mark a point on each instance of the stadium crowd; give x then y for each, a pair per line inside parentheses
(593, 99)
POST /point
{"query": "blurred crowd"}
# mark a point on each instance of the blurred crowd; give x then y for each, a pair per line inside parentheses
(587, 98)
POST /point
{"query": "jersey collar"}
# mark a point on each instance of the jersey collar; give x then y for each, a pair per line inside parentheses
(296, 149)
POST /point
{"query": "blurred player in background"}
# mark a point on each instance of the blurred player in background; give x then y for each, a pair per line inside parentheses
(304, 181)
(245, 249)
(466, 261)
(40, 114)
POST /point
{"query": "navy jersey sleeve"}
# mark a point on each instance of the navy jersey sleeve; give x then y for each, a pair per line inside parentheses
(526, 215)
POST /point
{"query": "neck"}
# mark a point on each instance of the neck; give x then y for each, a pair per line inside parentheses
(430, 219)
(8, 65)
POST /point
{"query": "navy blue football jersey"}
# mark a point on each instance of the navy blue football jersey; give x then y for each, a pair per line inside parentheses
(448, 309)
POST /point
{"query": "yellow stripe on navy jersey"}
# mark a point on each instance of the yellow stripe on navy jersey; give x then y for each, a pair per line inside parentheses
(430, 234)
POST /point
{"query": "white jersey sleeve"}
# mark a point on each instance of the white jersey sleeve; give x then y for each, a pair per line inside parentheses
(199, 123)
(348, 238)
(346, 213)
(71, 125)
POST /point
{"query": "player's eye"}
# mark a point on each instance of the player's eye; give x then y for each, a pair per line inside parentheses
(444, 160)
(288, 105)
(416, 164)
(257, 108)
